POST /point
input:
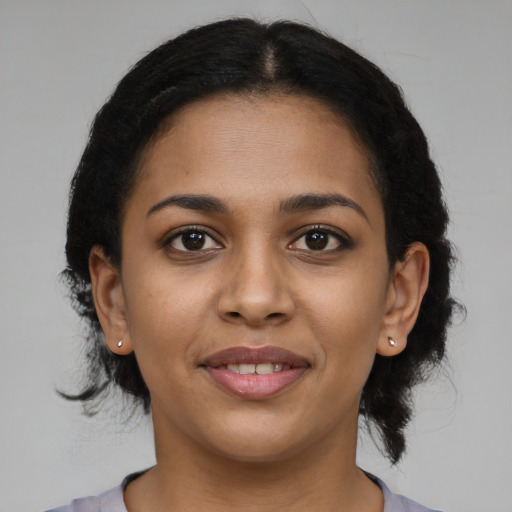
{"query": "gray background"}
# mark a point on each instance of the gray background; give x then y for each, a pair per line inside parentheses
(60, 60)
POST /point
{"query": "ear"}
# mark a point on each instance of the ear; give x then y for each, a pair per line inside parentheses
(107, 291)
(407, 287)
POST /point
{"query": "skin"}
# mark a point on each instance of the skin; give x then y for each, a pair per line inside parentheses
(256, 282)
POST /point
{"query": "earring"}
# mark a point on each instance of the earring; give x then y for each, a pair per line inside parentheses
(119, 343)
(392, 342)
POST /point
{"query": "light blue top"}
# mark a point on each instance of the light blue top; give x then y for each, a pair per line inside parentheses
(112, 501)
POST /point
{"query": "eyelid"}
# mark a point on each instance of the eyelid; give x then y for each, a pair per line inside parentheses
(345, 240)
(166, 240)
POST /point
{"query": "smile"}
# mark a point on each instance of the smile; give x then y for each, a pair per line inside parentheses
(258, 369)
(255, 373)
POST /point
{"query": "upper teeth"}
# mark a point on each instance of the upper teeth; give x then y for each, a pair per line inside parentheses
(260, 369)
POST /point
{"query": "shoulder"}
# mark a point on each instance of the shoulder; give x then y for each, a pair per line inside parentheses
(398, 503)
(110, 501)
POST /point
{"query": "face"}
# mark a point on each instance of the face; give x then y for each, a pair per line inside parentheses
(255, 280)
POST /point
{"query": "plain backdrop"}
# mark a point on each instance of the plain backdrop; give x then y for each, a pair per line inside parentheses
(59, 61)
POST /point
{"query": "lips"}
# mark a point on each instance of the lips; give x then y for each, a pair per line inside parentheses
(255, 373)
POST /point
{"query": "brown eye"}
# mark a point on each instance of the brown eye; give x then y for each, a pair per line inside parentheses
(316, 240)
(320, 240)
(193, 240)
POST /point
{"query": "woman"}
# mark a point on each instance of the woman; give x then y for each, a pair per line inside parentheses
(256, 235)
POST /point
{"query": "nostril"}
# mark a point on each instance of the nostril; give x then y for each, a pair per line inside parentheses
(234, 314)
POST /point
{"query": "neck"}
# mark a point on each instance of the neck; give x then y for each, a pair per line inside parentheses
(189, 478)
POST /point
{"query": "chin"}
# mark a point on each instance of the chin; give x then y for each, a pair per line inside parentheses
(257, 452)
(260, 443)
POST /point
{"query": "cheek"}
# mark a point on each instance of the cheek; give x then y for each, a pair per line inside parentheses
(348, 305)
(166, 320)
(345, 313)
(165, 309)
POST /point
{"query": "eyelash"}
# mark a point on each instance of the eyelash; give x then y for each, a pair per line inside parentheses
(345, 242)
(175, 235)
(342, 238)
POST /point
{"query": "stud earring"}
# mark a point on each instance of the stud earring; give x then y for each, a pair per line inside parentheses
(119, 343)
(392, 342)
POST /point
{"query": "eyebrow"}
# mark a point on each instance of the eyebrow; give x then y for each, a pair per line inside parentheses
(305, 202)
(199, 202)
(299, 203)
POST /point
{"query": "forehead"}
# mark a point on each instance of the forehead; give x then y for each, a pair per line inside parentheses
(239, 146)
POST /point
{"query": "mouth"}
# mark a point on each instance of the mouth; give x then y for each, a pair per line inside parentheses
(255, 373)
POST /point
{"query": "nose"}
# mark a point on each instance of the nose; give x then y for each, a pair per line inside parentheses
(257, 292)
